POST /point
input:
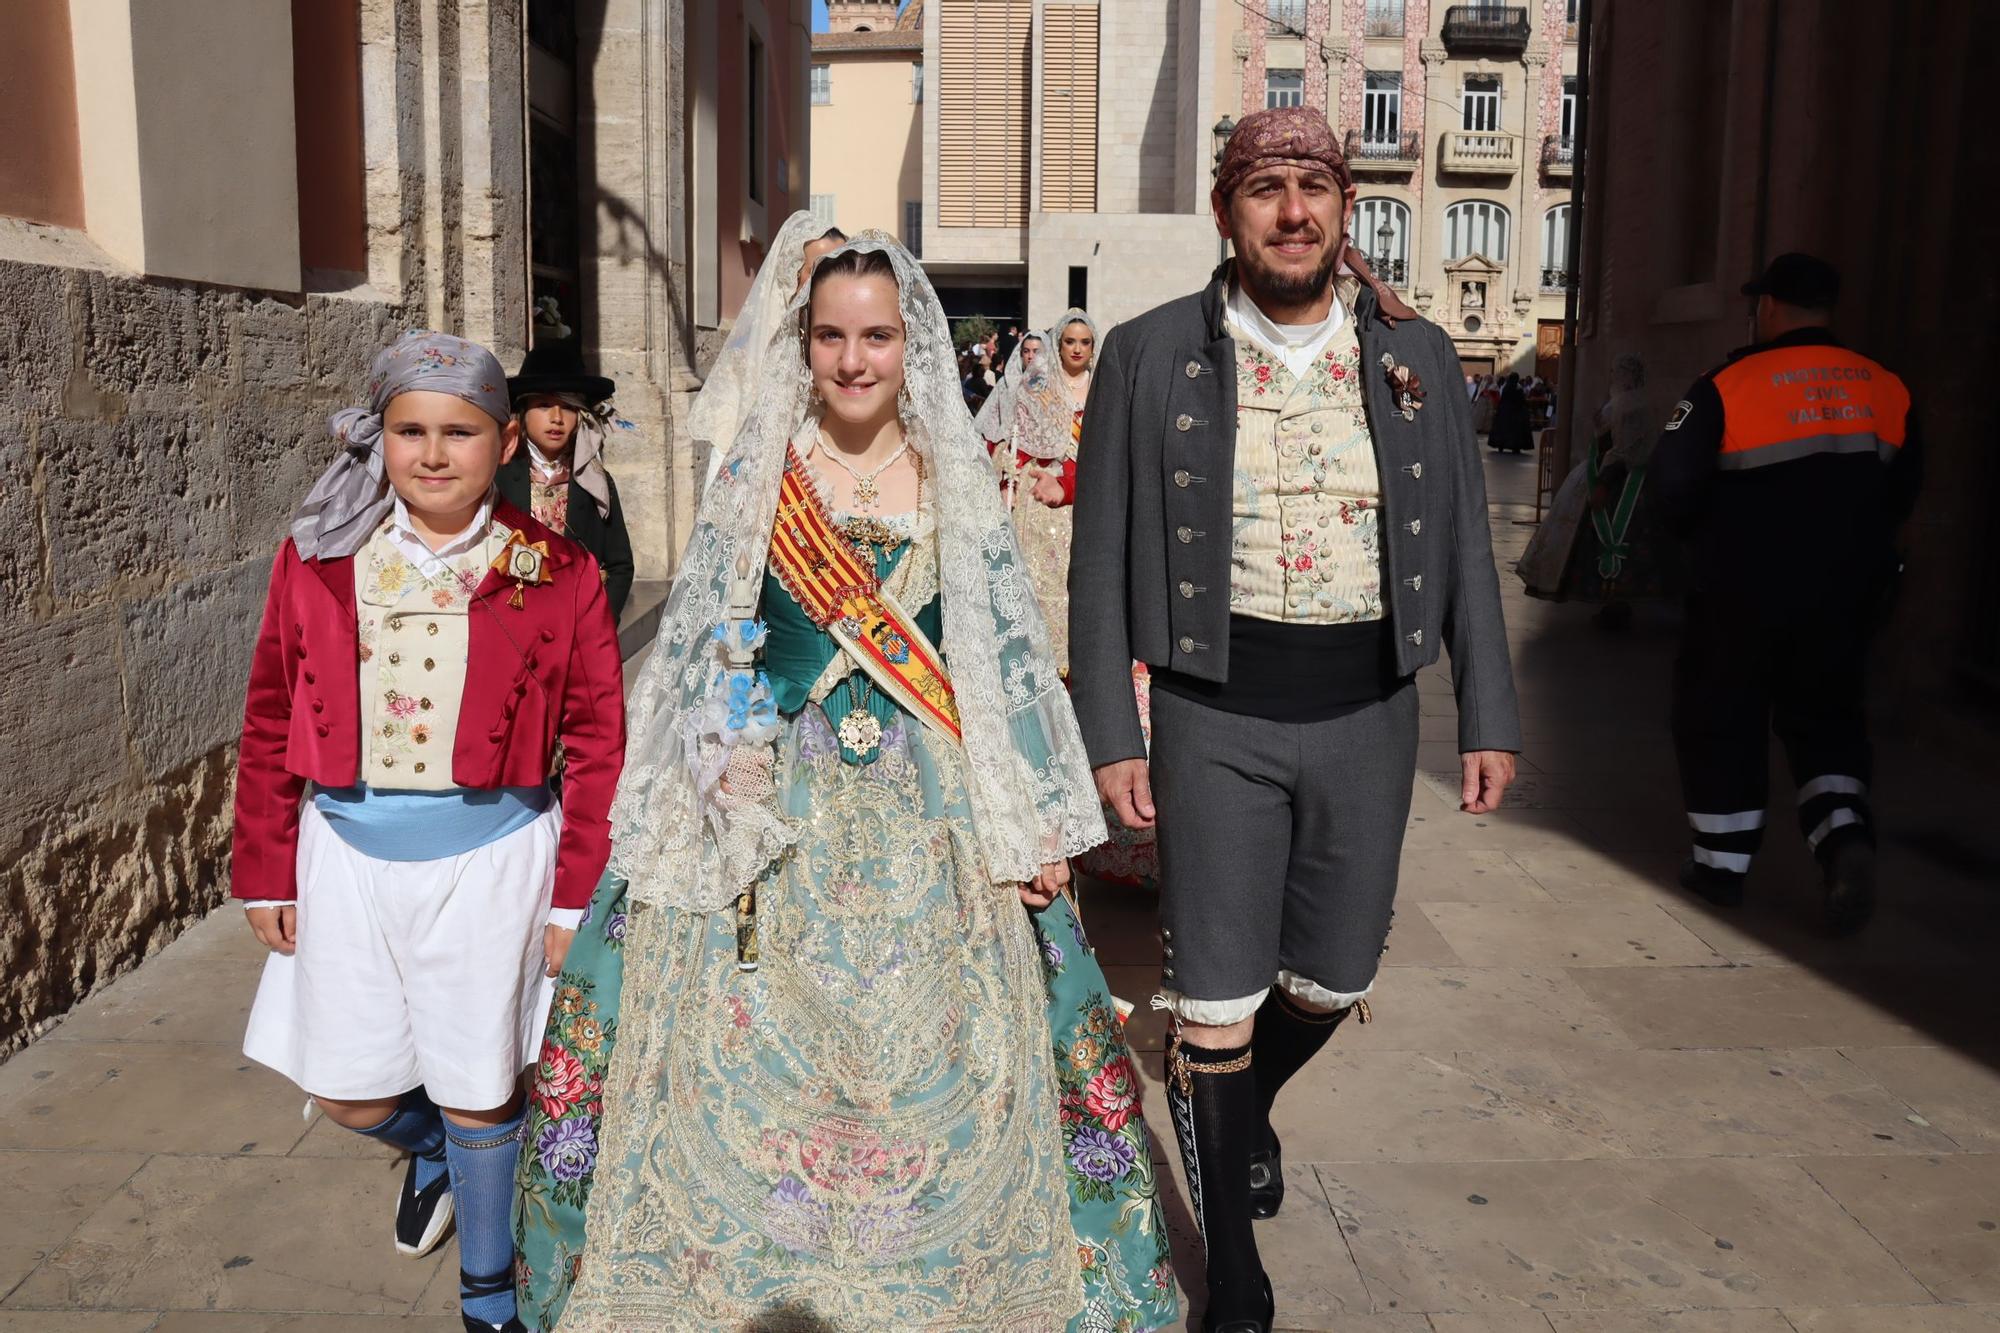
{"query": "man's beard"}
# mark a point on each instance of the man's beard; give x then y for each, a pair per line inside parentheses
(1287, 288)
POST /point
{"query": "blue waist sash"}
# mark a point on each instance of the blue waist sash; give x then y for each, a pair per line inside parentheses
(427, 825)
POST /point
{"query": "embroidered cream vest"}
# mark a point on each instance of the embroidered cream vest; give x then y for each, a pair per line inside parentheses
(1306, 544)
(415, 641)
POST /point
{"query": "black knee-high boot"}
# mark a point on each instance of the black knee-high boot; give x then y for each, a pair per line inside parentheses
(1287, 1037)
(1212, 1095)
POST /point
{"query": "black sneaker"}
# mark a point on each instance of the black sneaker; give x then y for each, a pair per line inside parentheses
(481, 1326)
(1849, 867)
(1246, 1323)
(423, 1216)
(1724, 888)
(1267, 1178)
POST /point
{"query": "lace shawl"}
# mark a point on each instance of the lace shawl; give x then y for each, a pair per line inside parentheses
(673, 841)
(1045, 414)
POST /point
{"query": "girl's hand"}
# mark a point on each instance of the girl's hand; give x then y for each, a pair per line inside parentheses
(1048, 490)
(276, 928)
(1042, 890)
(555, 947)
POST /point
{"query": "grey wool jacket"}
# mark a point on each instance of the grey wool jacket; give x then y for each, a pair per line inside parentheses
(1149, 569)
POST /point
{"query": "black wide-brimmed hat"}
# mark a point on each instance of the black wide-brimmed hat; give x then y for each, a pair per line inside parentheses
(1798, 279)
(555, 365)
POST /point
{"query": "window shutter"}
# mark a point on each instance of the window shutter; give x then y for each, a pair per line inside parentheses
(983, 109)
(1069, 109)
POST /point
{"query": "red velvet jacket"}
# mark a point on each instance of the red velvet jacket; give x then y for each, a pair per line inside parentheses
(548, 671)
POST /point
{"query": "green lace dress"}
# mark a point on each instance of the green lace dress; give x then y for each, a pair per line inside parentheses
(918, 1112)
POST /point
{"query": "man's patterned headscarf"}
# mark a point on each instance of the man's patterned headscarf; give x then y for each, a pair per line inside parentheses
(1296, 136)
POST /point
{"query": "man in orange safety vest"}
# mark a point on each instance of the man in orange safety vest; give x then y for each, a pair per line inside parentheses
(1790, 467)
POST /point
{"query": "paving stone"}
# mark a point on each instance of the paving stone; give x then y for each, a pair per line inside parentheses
(180, 997)
(1611, 935)
(1898, 1319)
(1940, 1216)
(61, 1321)
(1737, 1006)
(1414, 942)
(233, 1233)
(1745, 1103)
(47, 1195)
(1957, 1092)
(1410, 1106)
(1574, 872)
(1590, 1235)
(1668, 1321)
(1464, 877)
(211, 1322)
(1476, 1008)
(1491, 1321)
(106, 1096)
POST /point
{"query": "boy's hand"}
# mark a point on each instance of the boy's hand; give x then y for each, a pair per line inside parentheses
(276, 928)
(555, 947)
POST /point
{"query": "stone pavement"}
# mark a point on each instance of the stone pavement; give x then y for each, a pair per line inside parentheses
(1586, 1103)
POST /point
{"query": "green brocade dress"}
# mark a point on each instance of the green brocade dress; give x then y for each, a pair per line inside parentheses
(918, 1113)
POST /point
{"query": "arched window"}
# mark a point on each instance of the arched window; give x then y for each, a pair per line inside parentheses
(1387, 252)
(1476, 227)
(1555, 249)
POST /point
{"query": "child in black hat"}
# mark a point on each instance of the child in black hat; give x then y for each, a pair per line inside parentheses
(559, 477)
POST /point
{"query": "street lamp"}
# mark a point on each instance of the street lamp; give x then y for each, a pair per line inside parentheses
(1385, 236)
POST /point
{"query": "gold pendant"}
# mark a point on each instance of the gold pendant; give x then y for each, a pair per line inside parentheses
(860, 732)
(515, 601)
(865, 492)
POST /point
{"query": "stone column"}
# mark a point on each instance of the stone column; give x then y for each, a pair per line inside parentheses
(1254, 61)
(1319, 22)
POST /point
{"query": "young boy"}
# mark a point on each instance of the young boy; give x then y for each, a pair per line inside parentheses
(558, 475)
(425, 648)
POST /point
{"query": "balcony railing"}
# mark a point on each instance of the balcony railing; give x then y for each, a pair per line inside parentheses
(1285, 16)
(1383, 153)
(1558, 155)
(1480, 152)
(1497, 29)
(1395, 272)
(1555, 280)
(1382, 20)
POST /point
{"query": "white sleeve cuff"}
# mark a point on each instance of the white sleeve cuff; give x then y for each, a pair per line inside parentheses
(569, 918)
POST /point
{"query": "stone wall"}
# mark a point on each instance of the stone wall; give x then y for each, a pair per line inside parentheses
(153, 438)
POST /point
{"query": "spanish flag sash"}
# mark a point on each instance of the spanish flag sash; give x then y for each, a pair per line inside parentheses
(839, 591)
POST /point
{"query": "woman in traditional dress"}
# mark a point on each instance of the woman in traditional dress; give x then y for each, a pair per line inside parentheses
(727, 389)
(855, 1084)
(1601, 541)
(995, 421)
(1511, 433)
(1041, 474)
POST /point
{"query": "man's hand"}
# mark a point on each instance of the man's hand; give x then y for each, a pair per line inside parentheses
(276, 928)
(1128, 791)
(1048, 489)
(1487, 773)
(1047, 883)
(555, 947)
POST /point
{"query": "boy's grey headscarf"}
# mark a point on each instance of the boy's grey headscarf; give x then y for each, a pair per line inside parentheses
(351, 498)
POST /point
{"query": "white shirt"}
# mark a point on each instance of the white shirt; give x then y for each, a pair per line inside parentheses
(403, 536)
(1296, 345)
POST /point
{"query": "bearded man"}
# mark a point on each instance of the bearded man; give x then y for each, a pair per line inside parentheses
(1279, 516)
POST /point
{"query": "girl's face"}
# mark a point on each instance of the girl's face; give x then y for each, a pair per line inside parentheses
(441, 452)
(1030, 349)
(1078, 342)
(549, 421)
(855, 347)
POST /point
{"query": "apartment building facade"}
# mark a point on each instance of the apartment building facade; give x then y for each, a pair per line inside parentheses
(867, 93)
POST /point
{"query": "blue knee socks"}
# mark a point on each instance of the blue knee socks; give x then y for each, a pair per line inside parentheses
(482, 1190)
(417, 1127)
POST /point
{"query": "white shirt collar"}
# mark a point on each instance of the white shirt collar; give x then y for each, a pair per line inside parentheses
(403, 535)
(1296, 345)
(541, 460)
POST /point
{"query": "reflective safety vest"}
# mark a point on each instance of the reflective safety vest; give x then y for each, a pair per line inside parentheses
(1804, 399)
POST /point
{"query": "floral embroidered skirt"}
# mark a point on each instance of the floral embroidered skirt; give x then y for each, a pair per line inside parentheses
(876, 1128)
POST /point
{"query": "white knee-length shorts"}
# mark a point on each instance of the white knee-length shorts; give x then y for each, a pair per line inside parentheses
(411, 972)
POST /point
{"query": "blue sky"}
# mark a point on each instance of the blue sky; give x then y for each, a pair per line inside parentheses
(819, 15)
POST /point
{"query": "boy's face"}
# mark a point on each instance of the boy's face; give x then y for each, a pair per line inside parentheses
(442, 452)
(549, 421)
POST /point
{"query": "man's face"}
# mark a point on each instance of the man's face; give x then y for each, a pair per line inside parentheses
(1288, 224)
